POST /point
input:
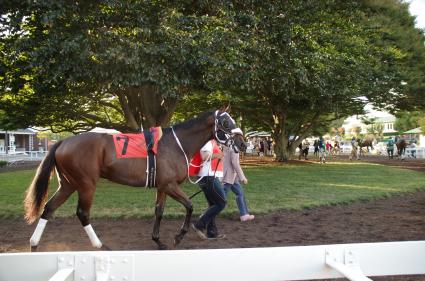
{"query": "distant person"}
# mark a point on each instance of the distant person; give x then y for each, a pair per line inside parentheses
(233, 175)
(270, 146)
(412, 147)
(354, 149)
(390, 148)
(304, 147)
(328, 148)
(266, 147)
(262, 148)
(316, 148)
(322, 150)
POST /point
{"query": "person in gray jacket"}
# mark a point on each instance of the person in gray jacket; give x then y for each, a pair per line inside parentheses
(232, 175)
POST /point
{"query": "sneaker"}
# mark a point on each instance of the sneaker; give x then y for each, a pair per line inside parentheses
(219, 236)
(199, 232)
(247, 217)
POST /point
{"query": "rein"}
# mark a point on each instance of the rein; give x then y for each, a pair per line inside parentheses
(185, 156)
(187, 164)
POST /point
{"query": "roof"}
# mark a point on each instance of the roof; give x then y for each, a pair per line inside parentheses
(414, 131)
(104, 131)
(27, 131)
(386, 119)
(258, 134)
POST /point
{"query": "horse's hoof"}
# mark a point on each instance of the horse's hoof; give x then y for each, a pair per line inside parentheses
(162, 247)
(178, 238)
(33, 248)
(176, 242)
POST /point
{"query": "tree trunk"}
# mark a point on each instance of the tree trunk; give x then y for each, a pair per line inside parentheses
(145, 107)
(282, 150)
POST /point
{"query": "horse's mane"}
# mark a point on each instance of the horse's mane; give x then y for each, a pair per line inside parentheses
(189, 123)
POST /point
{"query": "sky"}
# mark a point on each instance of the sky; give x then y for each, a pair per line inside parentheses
(417, 8)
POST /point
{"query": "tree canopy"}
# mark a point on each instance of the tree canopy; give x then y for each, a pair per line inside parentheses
(291, 67)
(304, 64)
(76, 65)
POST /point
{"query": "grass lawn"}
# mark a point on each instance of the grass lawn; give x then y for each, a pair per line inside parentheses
(269, 189)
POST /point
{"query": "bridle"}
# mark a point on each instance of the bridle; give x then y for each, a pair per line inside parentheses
(222, 132)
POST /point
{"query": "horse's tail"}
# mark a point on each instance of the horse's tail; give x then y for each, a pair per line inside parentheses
(36, 193)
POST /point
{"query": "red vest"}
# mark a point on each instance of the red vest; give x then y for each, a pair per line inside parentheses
(196, 161)
(215, 161)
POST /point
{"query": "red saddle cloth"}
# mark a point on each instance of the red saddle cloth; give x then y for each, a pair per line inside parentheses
(134, 145)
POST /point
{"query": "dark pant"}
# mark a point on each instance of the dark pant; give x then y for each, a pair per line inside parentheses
(215, 196)
(390, 152)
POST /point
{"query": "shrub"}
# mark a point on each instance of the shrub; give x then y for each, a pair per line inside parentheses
(3, 163)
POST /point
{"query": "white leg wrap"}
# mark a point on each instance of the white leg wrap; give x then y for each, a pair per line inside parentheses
(93, 237)
(36, 236)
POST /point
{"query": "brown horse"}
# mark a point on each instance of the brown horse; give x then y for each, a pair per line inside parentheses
(81, 160)
(368, 143)
(401, 148)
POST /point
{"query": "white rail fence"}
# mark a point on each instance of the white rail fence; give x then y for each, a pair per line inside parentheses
(353, 261)
(17, 156)
(418, 152)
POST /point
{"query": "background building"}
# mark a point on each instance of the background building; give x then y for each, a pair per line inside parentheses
(372, 121)
(21, 140)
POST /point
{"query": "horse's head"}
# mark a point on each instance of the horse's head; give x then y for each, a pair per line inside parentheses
(227, 133)
(239, 143)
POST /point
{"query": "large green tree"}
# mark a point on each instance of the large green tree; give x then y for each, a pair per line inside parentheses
(407, 120)
(290, 66)
(74, 65)
(404, 68)
(307, 63)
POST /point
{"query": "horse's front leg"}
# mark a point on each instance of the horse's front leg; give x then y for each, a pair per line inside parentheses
(159, 210)
(178, 194)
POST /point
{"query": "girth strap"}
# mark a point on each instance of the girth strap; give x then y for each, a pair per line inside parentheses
(150, 160)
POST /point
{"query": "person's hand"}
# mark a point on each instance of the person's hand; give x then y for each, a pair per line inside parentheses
(244, 181)
(218, 155)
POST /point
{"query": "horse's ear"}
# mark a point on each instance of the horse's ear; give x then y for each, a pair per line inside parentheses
(224, 108)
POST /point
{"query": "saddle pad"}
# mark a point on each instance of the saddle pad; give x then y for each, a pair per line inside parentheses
(134, 145)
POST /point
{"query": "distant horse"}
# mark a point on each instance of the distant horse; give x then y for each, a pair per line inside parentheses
(336, 148)
(368, 143)
(81, 160)
(401, 148)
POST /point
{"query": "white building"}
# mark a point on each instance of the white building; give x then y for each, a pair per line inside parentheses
(387, 120)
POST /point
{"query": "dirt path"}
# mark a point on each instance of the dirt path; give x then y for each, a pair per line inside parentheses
(401, 218)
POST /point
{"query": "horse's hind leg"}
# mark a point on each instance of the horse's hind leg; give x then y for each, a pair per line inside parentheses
(61, 195)
(85, 200)
(159, 210)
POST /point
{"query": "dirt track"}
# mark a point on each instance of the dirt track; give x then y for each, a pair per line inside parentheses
(400, 218)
